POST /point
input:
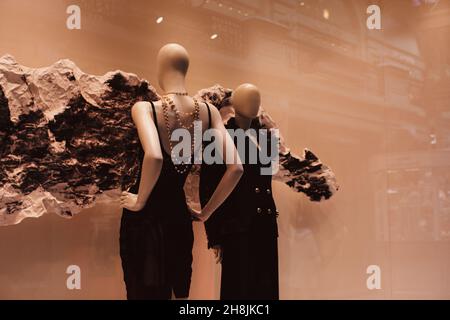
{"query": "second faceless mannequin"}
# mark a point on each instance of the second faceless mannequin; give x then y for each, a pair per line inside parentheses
(246, 100)
(243, 231)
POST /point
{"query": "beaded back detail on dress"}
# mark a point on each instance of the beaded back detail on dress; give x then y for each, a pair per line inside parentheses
(167, 199)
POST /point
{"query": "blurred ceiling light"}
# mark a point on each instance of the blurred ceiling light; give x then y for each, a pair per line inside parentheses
(159, 20)
(326, 14)
(392, 191)
(433, 139)
(302, 4)
(214, 36)
(220, 5)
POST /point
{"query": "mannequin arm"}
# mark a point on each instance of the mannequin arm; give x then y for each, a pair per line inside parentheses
(233, 172)
(152, 161)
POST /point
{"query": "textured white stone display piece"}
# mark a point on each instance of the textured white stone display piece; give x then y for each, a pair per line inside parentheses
(67, 140)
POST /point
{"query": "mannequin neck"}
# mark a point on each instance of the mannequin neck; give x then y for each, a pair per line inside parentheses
(174, 82)
(242, 122)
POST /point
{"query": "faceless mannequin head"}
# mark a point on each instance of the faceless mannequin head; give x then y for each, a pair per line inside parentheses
(172, 66)
(246, 100)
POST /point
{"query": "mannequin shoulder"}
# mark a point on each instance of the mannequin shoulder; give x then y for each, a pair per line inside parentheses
(216, 117)
(144, 106)
(148, 103)
(213, 109)
(141, 109)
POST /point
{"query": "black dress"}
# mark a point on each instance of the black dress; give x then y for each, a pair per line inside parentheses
(156, 242)
(245, 226)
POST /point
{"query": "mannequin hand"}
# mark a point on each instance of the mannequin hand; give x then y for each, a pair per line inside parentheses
(129, 201)
(197, 215)
(218, 253)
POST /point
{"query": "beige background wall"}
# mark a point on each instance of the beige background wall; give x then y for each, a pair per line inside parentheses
(363, 101)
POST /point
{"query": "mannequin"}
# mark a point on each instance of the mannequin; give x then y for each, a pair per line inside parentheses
(243, 231)
(156, 235)
(246, 100)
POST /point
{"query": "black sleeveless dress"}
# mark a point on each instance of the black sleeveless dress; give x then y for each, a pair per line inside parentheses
(156, 242)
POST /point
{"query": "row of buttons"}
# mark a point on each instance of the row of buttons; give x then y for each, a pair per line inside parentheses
(269, 211)
(258, 190)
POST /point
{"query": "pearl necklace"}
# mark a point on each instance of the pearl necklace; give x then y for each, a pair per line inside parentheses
(166, 102)
(178, 93)
(177, 112)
